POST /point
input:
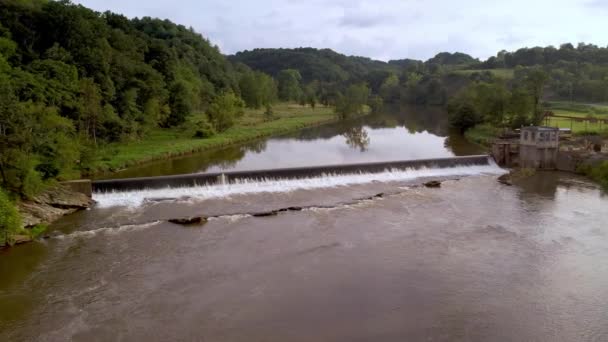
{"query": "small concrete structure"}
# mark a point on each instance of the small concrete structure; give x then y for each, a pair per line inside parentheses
(506, 152)
(538, 147)
(83, 186)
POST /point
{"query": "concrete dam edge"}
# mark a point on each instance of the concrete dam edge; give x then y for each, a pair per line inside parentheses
(202, 179)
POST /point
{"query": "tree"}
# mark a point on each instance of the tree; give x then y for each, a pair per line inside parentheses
(310, 94)
(520, 108)
(536, 81)
(289, 85)
(389, 90)
(90, 108)
(269, 112)
(376, 104)
(463, 116)
(180, 102)
(353, 101)
(257, 89)
(223, 112)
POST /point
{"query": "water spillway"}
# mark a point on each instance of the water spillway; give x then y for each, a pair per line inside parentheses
(137, 191)
(205, 179)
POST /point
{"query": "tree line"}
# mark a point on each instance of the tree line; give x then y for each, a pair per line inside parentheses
(72, 79)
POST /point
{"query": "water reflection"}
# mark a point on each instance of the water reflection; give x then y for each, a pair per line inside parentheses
(399, 133)
(357, 138)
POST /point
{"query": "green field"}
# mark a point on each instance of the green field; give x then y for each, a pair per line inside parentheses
(577, 127)
(166, 143)
(578, 110)
(502, 73)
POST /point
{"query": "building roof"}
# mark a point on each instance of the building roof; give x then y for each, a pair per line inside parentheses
(540, 128)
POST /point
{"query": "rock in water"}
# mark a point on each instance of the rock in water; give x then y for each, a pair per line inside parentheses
(21, 239)
(265, 214)
(505, 179)
(189, 220)
(433, 184)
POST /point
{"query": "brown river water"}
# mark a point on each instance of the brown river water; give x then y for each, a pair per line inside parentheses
(471, 261)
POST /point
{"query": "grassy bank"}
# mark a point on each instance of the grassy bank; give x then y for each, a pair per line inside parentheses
(11, 229)
(482, 134)
(166, 143)
(598, 173)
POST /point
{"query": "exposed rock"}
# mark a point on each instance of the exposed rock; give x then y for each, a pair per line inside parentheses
(433, 184)
(294, 208)
(265, 214)
(64, 198)
(516, 175)
(52, 205)
(189, 220)
(21, 239)
(505, 179)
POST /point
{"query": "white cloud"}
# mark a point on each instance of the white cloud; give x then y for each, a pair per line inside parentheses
(384, 29)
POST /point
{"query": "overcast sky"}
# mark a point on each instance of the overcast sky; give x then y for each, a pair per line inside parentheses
(381, 29)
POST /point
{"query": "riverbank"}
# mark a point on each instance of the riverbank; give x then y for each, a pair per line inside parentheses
(24, 220)
(165, 143)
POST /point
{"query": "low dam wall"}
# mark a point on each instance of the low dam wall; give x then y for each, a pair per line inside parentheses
(199, 179)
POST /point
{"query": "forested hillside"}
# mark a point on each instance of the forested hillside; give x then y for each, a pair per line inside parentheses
(72, 79)
(323, 65)
(575, 73)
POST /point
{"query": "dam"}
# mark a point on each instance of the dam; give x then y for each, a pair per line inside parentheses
(203, 179)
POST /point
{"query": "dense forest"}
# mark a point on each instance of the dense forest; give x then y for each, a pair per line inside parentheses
(72, 79)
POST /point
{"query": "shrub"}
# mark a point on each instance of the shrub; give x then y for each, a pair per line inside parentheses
(204, 130)
(10, 221)
(463, 116)
(269, 113)
(482, 134)
(224, 111)
(599, 173)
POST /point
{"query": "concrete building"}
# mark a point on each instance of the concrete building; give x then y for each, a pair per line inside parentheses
(538, 147)
(506, 152)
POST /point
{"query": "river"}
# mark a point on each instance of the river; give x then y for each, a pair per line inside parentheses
(471, 261)
(403, 134)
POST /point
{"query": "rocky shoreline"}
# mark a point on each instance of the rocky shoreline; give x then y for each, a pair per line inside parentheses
(47, 207)
(51, 205)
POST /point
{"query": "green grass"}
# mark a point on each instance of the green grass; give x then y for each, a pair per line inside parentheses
(166, 143)
(482, 134)
(502, 73)
(577, 127)
(578, 110)
(599, 173)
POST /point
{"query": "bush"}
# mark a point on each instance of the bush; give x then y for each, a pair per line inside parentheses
(599, 173)
(205, 131)
(482, 134)
(269, 113)
(224, 111)
(10, 221)
(463, 116)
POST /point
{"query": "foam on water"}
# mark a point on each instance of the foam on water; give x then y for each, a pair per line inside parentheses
(137, 198)
(107, 230)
